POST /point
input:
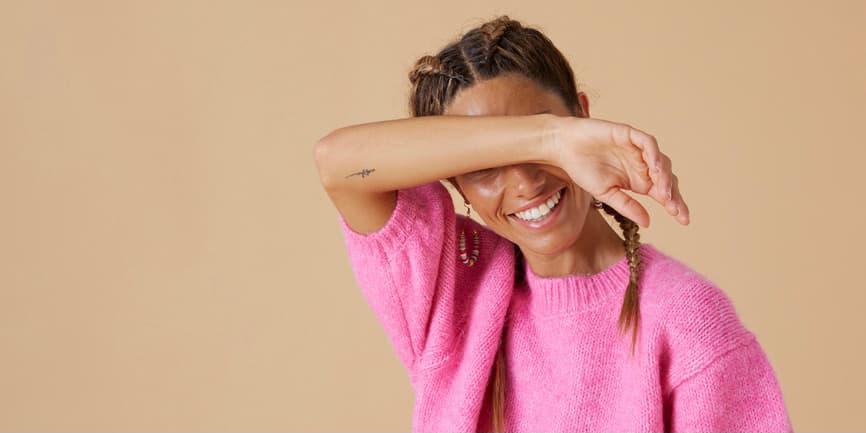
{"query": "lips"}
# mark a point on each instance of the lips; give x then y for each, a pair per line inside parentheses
(539, 201)
(548, 221)
(540, 213)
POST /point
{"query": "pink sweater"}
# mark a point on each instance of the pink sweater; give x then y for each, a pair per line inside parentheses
(696, 367)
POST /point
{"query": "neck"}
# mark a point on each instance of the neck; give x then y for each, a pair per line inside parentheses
(596, 248)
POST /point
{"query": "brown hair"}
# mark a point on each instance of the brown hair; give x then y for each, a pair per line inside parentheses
(497, 47)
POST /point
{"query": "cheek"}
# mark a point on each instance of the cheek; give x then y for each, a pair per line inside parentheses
(485, 195)
(580, 197)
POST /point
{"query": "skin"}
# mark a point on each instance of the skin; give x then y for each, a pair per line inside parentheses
(502, 156)
(581, 242)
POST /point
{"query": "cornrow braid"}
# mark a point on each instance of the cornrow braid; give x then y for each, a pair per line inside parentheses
(435, 80)
(630, 313)
(431, 65)
(493, 32)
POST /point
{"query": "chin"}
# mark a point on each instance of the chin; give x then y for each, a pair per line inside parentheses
(554, 246)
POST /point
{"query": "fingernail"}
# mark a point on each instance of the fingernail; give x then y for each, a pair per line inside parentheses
(670, 194)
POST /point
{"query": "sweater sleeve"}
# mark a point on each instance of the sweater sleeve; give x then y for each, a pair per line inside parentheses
(398, 267)
(736, 392)
(719, 377)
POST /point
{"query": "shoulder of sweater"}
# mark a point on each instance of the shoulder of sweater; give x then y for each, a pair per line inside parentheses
(676, 288)
(696, 320)
(427, 204)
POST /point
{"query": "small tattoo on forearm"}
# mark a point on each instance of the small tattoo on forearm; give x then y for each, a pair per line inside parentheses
(363, 173)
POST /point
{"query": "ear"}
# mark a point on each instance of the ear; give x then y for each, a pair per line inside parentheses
(584, 103)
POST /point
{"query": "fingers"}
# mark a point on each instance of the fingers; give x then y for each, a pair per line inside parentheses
(625, 205)
(662, 188)
(659, 165)
(650, 147)
(678, 207)
(647, 143)
(639, 176)
(665, 184)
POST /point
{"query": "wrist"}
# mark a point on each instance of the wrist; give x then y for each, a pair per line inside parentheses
(552, 130)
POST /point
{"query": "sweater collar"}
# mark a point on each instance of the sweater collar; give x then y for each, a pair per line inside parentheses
(551, 295)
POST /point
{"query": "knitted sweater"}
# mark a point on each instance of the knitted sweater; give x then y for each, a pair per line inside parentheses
(695, 366)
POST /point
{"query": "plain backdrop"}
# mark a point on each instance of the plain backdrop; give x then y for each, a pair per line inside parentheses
(170, 262)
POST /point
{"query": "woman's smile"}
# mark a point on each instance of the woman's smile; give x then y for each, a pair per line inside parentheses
(543, 215)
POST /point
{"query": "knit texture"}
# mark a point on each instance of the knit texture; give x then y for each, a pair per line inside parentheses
(695, 366)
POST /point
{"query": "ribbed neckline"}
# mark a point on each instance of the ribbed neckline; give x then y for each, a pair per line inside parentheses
(552, 295)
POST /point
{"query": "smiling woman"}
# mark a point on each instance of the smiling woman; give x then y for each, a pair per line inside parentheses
(502, 196)
(526, 335)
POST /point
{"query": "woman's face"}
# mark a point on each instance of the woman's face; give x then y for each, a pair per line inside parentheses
(497, 195)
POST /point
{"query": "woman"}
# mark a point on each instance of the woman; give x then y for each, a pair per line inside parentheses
(516, 325)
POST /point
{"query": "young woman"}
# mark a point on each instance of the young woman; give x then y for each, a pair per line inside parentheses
(517, 324)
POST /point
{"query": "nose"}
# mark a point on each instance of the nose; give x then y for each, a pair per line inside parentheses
(526, 179)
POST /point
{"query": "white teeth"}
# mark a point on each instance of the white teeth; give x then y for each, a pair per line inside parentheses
(537, 213)
(544, 208)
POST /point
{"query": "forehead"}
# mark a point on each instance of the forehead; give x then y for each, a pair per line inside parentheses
(504, 95)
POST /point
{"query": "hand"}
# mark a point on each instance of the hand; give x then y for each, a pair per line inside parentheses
(604, 158)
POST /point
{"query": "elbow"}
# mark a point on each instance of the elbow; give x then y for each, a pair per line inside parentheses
(323, 155)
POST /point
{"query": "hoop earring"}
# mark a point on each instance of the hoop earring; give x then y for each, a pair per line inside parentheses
(596, 204)
(468, 259)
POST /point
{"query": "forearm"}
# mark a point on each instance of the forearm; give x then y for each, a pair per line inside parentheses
(403, 153)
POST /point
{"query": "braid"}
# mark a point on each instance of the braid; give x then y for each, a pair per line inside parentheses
(630, 313)
(434, 83)
(493, 32)
(431, 65)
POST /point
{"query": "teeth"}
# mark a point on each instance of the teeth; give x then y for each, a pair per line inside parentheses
(537, 213)
(544, 209)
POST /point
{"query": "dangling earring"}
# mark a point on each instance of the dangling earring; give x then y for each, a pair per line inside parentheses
(596, 204)
(468, 259)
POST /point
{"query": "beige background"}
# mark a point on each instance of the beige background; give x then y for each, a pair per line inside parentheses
(168, 260)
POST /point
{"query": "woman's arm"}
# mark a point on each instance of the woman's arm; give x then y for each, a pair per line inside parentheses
(739, 391)
(362, 166)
